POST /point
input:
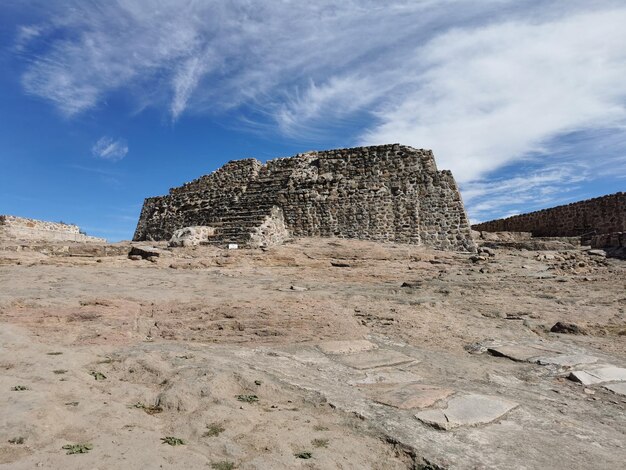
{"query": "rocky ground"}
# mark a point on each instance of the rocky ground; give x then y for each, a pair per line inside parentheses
(317, 354)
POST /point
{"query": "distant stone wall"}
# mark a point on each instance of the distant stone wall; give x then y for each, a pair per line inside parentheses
(388, 192)
(600, 215)
(19, 228)
(609, 240)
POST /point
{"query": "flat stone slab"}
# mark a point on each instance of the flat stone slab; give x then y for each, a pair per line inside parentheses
(467, 410)
(375, 358)
(567, 360)
(145, 251)
(520, 353)
(346, 347)
(410, 396)
(597, 376)
(385, 377)
(619, 388)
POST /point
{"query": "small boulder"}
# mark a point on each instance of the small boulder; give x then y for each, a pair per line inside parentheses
(487, 251)
(567, 328)
(598, 253)
(144, 251)
(191, 236)
(412, 284)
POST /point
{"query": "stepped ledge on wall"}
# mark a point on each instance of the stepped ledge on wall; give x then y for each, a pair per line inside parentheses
(386, 193)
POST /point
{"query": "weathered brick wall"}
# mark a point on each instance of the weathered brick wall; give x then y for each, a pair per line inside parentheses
(19, 228)
(604, 214)
(388, 192)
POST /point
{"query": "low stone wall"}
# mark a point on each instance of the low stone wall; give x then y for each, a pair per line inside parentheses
(19, 228)
(601, 215)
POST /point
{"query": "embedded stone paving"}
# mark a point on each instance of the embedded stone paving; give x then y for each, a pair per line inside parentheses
(374, 358)
(619, 388)
(467, 410)
(520, 352)
(567, 360)
(600, 375)
(410, 396)
(346, 347)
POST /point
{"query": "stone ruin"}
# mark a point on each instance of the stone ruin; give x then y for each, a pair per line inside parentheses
(599, 222)
(386, 193)
(20, 229)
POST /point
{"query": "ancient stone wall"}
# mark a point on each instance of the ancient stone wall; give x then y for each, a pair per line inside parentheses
(600, 215)
(18, 228)
(389, 192)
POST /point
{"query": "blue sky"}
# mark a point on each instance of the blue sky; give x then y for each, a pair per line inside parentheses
(104, 103)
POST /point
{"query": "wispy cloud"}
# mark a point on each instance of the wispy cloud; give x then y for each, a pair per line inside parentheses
(493, 94)
(111, 149)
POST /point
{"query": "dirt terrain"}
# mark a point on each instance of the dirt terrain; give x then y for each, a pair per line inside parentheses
(319, 354)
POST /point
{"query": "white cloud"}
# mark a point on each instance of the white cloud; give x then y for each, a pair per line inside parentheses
(487, 96)
(110, 149)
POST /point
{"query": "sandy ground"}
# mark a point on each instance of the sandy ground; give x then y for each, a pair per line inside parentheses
(221, 349)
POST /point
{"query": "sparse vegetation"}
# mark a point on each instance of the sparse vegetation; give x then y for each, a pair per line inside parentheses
(248, 398)
(304, 455)
(59, 371)
(320, 443)
(172, 441)
(223, 465)
(319, 427)
(97, 375)
(19, 388)
(77, 448)
(213, 429)
(54, 353)
(150, 409)
(17, 440)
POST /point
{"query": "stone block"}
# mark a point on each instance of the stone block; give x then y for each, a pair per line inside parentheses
(374, 358)
(410, 396)
(467, 410)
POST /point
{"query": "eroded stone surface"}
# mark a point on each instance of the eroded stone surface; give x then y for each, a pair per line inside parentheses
(567, 360)
(191, 236)
(520, 352)
(391, 376)
(600, 375)
(346, 347)
(375, 358)
(145, 251)
(619, 388)
(410, 396)
(467, 410)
